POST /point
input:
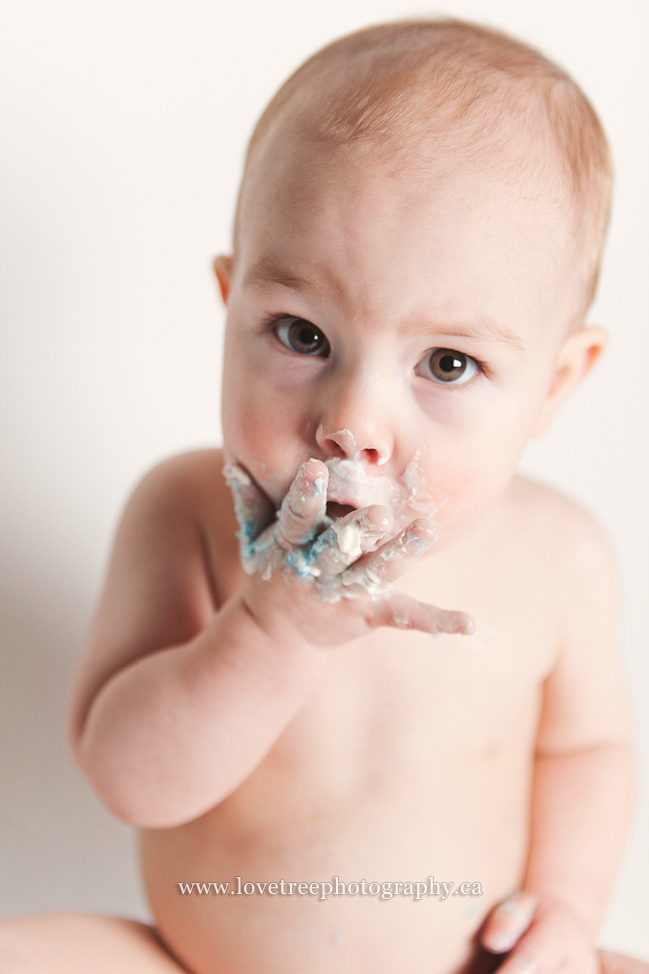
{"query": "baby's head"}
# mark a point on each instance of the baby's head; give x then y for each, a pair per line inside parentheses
(417, 241)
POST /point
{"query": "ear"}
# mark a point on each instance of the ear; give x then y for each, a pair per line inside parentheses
(578, 355)
(223, 271)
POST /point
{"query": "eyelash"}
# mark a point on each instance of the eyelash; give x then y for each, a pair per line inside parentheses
(271, 322)
(480, 367)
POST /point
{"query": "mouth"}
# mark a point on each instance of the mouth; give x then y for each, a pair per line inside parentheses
(336, 511)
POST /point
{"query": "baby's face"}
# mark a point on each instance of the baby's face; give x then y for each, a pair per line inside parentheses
(407, 324)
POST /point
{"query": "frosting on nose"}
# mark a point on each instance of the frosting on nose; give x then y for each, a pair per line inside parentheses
(345, 439)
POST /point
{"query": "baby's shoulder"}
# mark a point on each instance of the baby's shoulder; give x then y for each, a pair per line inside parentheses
(184, 503)
(571, 541)
(577, 581)
(190, 481)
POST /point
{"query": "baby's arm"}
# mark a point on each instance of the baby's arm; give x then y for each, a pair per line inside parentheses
(583, 780)
(141, 708)
(181, 693)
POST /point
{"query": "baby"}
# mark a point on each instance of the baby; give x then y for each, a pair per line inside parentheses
(330, 773)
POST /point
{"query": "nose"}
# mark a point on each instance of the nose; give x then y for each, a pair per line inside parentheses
(353, 427)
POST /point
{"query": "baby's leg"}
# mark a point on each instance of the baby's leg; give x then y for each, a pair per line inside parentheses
(81, 944)
(620, 964)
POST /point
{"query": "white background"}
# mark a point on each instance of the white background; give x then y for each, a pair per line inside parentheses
(123, 125)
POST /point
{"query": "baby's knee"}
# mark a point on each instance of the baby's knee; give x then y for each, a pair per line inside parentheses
(16, 956)
(621, 964)
(81, 944)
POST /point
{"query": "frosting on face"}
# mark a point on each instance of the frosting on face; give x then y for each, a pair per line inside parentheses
(325, 558)
(406, 496)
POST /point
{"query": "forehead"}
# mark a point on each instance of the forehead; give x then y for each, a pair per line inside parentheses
(371, 230)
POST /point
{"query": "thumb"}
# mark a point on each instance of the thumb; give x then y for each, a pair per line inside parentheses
(508, 922)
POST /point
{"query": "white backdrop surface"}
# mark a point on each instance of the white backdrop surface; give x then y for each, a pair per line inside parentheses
(123, 126)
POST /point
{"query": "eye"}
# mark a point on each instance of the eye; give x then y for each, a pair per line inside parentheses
(299, 335)
(447, 366)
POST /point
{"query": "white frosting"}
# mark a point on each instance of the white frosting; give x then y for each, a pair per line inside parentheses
(349, 539)
(349, 483)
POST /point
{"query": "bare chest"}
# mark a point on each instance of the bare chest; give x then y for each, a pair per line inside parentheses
(400, 715)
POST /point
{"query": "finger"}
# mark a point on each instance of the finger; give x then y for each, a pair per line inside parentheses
(253, 509)
(305, 505)
(534, 958)
(394, 558)
(545, 948)
(349, 537)
(401, 612)
(508, 922)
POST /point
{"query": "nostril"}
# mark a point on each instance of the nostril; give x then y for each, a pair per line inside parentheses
(377, 456)
(332, 450)
(373, 456)
(338, 443)
(343, 445)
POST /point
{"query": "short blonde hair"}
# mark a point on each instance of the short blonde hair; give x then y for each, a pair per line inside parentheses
(442, 82)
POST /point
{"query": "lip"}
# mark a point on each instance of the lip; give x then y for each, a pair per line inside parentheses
(349, 496)
(351, 484)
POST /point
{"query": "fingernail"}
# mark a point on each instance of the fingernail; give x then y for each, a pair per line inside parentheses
(308, 486)
(422, 533)
(516, 966)
(500, 943)
(516, 901)
(453, 622)
(415, 542)
(377, 519)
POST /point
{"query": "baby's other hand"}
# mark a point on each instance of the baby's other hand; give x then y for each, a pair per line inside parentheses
(540, 936)
(300, 566)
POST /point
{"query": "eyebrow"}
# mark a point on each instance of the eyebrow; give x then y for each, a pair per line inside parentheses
(270, 270)
(483, 329)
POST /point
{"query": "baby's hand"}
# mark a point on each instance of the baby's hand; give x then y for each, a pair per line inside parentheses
(299, 565)
(540, 935)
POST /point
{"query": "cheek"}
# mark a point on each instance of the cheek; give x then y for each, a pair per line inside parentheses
(462, 497)
(266, 437)
(264, 418)
(453, 490)
(468, 473)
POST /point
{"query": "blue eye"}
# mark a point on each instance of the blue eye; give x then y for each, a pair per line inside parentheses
(299, 335)
(446, 366)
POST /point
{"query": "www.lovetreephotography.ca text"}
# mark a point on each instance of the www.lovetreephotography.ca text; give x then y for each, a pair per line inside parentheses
(333, 888)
